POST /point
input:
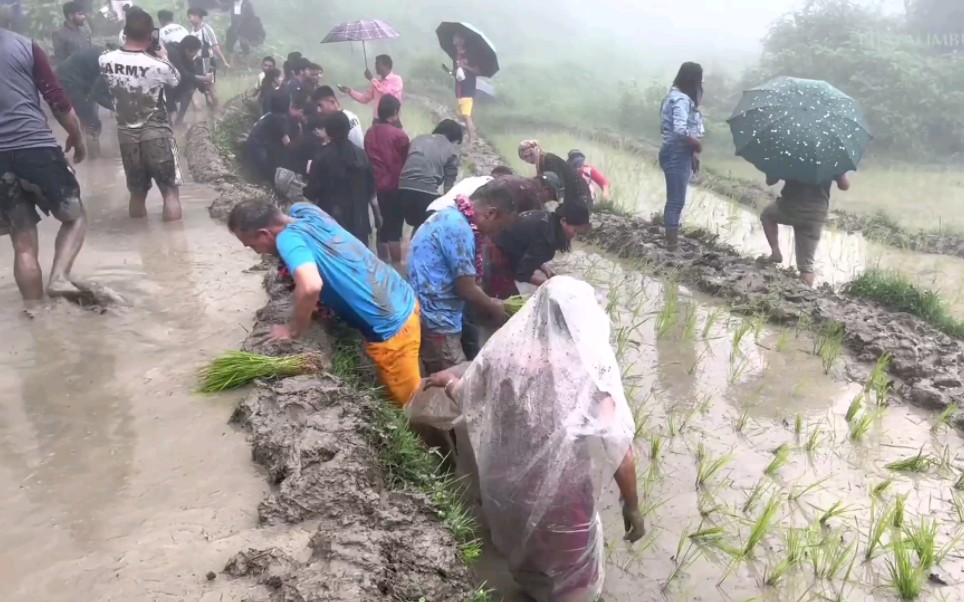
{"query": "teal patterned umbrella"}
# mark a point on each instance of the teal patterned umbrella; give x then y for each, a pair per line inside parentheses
(799, 129)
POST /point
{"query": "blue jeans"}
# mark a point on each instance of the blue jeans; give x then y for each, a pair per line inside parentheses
(677, 165)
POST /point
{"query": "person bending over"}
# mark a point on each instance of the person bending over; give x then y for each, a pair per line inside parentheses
(433, 161)
(331, 267)
(575, 186)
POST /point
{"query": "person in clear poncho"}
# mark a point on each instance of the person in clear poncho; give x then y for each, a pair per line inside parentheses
(549, 425)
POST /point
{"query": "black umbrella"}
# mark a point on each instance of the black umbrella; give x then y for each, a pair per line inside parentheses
(480, 51)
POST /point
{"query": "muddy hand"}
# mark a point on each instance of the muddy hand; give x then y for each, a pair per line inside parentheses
(633, 522)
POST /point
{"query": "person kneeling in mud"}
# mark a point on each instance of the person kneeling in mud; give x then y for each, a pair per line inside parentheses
(331, 266)
(521, 252)
(804, 207)
(548, 425)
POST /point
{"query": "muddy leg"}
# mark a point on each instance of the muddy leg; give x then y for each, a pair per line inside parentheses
(172, 203)
(808, 278)
(70, 238)
(137, 208)
(470, 126)
(26, 267)
(772, 231)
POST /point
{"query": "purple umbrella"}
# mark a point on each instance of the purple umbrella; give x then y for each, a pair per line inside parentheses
(361, 31)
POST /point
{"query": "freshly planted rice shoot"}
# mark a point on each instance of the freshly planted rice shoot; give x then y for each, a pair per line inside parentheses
(813, 440)
(854, 408)
(762, 525)
(514, 304)
(880, 520)
(899, 506)
(923, 539)
(238, 368)
(708, 468)
(881, 488)
(861, 426)
(943, 420)
(838, 509)
(918, 463)
(781, 456)
(906, 578)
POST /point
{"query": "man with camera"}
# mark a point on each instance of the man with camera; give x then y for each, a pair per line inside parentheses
(140, 78)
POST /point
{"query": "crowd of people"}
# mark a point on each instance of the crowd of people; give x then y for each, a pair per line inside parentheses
(425, 318)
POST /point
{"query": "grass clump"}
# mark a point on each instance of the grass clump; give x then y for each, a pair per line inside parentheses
(708, 468)
(906, 578)
(408, 465)
(881, 519)
(238, 368)
(893, 291)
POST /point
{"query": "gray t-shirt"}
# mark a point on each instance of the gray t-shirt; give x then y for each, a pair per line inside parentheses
(432, 161)
(138, 82)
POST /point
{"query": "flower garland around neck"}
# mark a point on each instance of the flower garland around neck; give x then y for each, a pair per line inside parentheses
(464, 205)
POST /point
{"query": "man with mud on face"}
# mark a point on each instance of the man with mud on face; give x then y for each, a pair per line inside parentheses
(330, 266)
(140, 83)
(34, 173)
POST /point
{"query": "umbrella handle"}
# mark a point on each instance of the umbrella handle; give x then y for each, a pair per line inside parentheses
(365, 52)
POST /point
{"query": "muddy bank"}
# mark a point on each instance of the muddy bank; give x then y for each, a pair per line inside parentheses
(368, 542)
(211, 152)
(926, 364)
(879, 228)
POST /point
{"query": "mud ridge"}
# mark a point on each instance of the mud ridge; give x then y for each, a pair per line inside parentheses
(926, 363)
(220, 167)
(370, 542)
(879, 228)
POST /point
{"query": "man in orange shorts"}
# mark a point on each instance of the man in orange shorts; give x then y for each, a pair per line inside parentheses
(329, 264)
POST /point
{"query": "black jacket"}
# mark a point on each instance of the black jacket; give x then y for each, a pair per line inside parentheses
(531, 241)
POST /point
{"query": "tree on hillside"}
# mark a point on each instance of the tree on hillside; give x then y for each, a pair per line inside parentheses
(936, 17)
(913, 99)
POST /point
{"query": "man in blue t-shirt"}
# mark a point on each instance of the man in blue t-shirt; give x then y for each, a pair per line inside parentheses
(330, 264)
(444, 269)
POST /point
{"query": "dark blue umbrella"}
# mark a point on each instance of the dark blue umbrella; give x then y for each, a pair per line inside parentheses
(799, 129)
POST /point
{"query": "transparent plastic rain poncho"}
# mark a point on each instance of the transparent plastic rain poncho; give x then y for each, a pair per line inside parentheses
(548, 422)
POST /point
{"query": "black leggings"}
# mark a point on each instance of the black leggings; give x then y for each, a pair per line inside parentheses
(415, 205)
(393, 217)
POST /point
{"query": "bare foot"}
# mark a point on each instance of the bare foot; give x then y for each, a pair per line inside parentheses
(775, 258)
(137, 212)
(61, 287)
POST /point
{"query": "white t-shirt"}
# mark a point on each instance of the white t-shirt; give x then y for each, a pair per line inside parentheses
(357, 133)
(464, 187)
(173, 33)
(237, 6)
(137, 81)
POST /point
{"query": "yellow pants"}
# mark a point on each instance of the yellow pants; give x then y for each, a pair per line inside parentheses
(397, 360)
(465, 107)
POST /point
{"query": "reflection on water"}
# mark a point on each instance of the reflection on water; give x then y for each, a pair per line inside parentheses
(117, 478)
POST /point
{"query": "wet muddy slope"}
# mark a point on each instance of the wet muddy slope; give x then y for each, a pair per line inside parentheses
(926, 364)
(367, 541)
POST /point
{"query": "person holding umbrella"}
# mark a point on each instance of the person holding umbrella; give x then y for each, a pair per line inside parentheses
(810, 135)
(383, 83)
(803, 207)
(681, 124)
(473, 55)
(466, 80)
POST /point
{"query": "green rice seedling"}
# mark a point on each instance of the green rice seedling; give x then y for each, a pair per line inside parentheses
(959, 484)
(804, 324)
(923, 539)
(813, 440)
(834, 511)
(854, 408)
(708, 468)
(944, 457)
(739, 334)
(704, 405)
(798, 424)
(689, 324)
(668, 315)
(957, 501)
(797, 493)
(762, 525)
(686, 554)
(838, 557)
(238, 368)
(741, 421)
(656, 448)
(879, 382)
(879, 489)
(943, 420)
(783, 339)
(949, 547)
(919, 463)
(829, 344)
(793, 546)
(755, 495)
(900, 505)
(906, 578)
(861, 426)
(514, 303)
(738, 370)
(711, 319)
(781, 455)
(881, 519)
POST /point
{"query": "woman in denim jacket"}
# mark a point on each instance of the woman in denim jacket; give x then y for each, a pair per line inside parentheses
(681, 125)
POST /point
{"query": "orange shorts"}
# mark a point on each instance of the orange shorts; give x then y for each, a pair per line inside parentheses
(465, 107)
(397, 360)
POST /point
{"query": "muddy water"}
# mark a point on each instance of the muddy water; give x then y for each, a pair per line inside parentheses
(701, 379)
(117, 482)
(639, 185)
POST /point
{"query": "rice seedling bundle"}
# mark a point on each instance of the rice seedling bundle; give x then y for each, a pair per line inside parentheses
(238, 368)
(514, 304)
